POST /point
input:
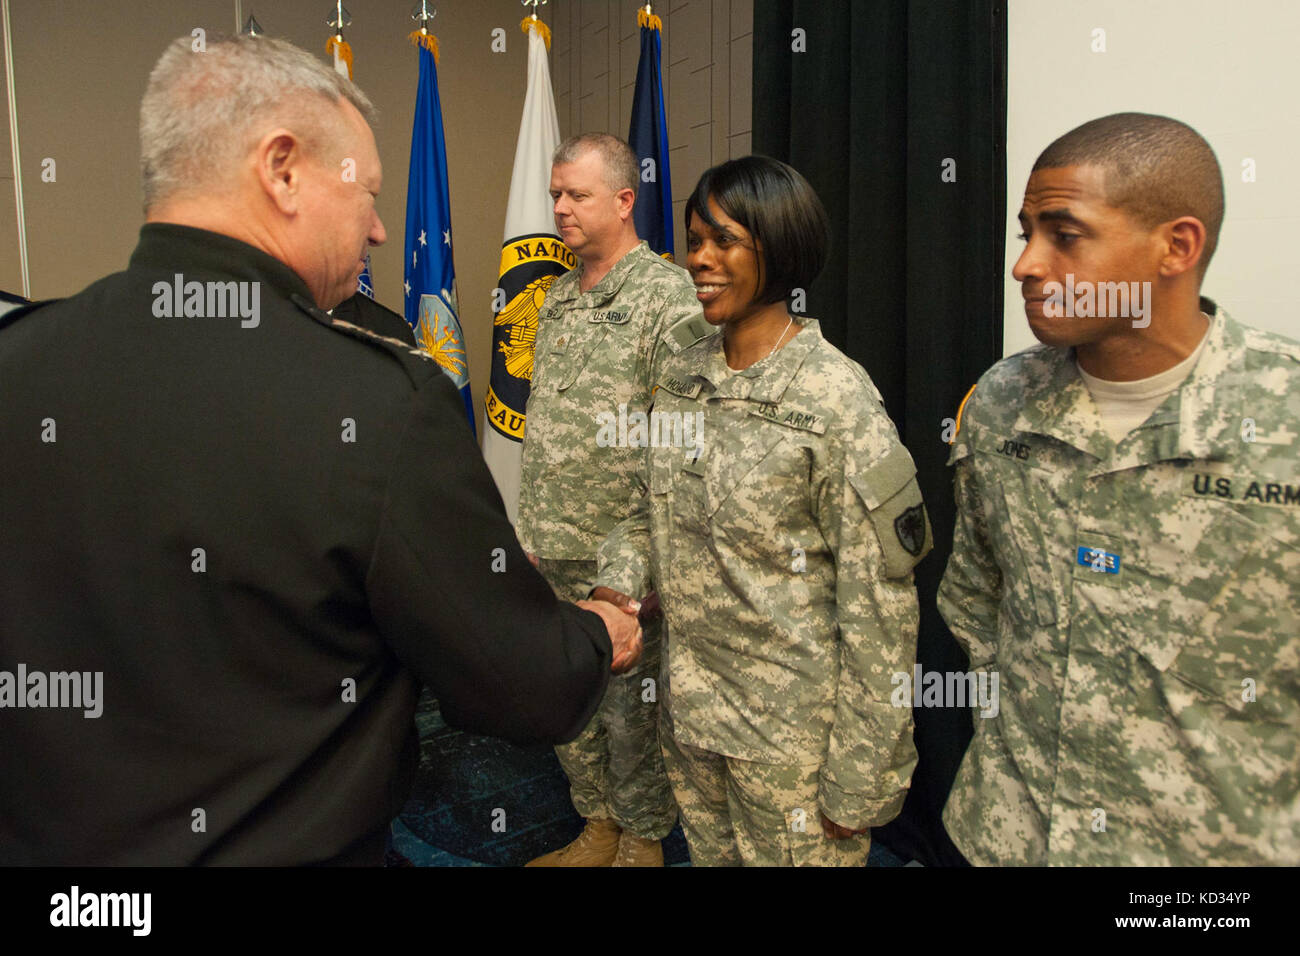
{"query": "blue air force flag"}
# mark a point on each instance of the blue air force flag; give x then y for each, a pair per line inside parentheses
(430, 283)
(648, 138)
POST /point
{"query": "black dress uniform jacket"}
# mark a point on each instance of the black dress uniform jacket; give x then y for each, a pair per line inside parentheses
(265, 537)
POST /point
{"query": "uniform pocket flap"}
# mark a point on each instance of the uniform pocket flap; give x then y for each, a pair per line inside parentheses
(576, 353)
(893, 500)
(884, 479)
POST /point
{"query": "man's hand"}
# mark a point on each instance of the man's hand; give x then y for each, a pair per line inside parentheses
(532, 558)
(617, 598)
(833, 831)
(624, 632)
(647, 610)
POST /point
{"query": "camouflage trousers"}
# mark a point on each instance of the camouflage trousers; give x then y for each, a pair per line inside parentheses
(742, 813)
(615, 767)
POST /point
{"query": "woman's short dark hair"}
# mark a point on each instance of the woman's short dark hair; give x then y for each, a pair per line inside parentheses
(780, 210)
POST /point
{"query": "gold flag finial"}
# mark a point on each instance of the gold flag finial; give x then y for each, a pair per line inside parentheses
(531, 24)
(645, 16)
(423, 13)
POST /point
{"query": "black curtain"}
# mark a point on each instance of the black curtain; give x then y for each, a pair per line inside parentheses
(888, 101)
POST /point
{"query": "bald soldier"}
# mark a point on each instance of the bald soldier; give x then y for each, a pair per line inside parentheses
(603, 333)
(1127, 551)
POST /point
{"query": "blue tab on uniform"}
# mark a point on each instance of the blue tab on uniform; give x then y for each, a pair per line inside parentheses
(1096, 559)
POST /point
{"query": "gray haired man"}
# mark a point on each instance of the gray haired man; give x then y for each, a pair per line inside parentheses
(602, 333)
(259, 528)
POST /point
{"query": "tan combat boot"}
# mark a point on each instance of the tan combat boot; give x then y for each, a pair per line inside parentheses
(638, 851)
(597, 845)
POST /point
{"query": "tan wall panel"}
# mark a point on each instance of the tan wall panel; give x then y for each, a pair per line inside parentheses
(707, 67)
(79, 73)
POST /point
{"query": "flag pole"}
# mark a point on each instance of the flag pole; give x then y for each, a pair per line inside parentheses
(18, 168)
(336, 45)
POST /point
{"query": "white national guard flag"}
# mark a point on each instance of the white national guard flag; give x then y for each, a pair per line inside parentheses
(532, 255)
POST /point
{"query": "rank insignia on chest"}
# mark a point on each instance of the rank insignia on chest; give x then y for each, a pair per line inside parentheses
(1098, 560)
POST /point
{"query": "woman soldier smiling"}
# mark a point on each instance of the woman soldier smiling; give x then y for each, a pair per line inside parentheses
(782, 544)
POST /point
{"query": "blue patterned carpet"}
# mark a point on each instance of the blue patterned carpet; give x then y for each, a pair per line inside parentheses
(479, 801)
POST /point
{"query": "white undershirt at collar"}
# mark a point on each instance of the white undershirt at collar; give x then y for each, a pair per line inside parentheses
(1126, 405)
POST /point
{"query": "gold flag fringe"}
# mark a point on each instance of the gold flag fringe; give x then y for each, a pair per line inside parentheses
(650, 20)
(531, 23)
(426, 40)
(345, 51)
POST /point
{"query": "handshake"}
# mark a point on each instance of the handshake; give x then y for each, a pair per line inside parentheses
(622, 616)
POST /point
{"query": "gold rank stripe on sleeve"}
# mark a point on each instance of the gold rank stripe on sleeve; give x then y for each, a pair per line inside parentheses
(960, 409)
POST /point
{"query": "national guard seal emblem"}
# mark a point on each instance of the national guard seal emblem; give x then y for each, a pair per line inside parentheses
(910, 528)
(529, 264)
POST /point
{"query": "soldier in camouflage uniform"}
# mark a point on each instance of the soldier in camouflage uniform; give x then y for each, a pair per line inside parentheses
(1127, 551)
(602, 332)
(781, 535)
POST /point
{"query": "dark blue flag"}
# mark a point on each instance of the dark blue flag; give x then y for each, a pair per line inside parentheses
(430, 272)
(648, 138)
